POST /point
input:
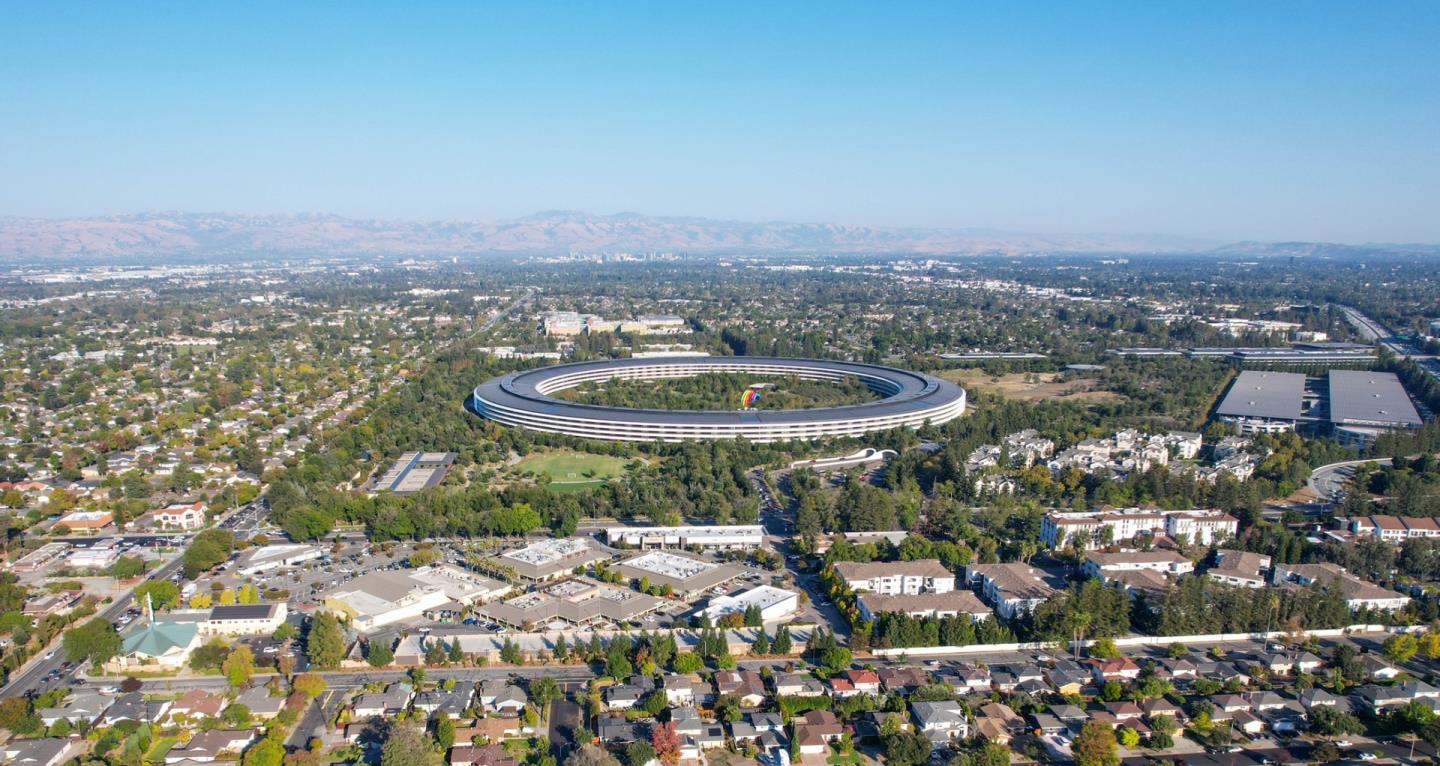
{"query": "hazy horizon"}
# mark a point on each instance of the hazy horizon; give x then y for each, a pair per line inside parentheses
(1216, 123)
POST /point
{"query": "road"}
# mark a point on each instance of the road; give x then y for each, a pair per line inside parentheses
(1328, 481)
(1372, 330)
(32, 678)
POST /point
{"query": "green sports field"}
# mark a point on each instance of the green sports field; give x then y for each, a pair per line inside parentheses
(572, 471)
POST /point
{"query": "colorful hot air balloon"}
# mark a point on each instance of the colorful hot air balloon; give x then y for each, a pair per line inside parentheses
(749, 398)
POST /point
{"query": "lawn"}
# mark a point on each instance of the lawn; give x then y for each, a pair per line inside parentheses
(572, 471)
(159, 748)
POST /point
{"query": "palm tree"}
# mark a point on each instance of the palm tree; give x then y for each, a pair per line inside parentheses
(1080, 621)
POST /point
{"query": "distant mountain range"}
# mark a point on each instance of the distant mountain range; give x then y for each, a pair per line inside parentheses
(212, 236)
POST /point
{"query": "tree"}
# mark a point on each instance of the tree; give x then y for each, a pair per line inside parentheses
(162, 594)
(1105, 648)
(510, 652)
(96, 641)
(639, 753)
(688, 662)
(309, 684)
(1128, 736)
(16, 715)
(1400, 647)
(1095, 745)
(239, 666)
(761, 647)
(127, 567)
(444, 730)
(325, 646)
(406, 746)
(543, 691)
(665, 742)
(1177, 650)
(904, 748)
(590, 755)
(266, 752)
(782, 643)
(379, 654)
(562, 649)
(1332, 722)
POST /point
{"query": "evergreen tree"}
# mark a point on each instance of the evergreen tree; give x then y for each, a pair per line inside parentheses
(325, 646)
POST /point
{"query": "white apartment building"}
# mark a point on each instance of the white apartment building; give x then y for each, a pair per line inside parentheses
(1093, 529)
(895, 578)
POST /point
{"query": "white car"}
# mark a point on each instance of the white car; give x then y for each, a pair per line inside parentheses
(1366, 756)
(1344, 743)
(49, 655)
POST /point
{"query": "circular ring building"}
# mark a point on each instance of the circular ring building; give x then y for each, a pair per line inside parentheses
(523, 399)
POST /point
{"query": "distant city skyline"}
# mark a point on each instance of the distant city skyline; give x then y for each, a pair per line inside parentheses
(1219, 122)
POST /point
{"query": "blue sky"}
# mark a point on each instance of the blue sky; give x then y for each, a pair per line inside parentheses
(1267, 120)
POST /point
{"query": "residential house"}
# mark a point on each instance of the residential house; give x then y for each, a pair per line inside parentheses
(134, 707)
(453, 702)
(42, 751)
(744, 684)
(797, 685)
(197, 704)
(942, 720)
(80, 707)
(1114, 669)
(212, 745)
(903, 680)
(685, 689)
(260, 703)
(492, 754)
(616, 731)
(394, 699)
(814, 730)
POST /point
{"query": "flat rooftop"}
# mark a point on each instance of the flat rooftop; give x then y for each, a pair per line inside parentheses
(546, 552)
(414, 471)
(1358, 397)
(1264, 394)
(670, 565)
(683, 573)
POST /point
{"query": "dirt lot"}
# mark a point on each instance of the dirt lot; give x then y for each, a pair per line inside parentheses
(1030, 386)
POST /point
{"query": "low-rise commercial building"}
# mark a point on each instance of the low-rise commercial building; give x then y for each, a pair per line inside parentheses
(266, 558)
(572, 602)
(382, 598)
(716, 537)
(550, 559)
(773, 603)
(682, 574)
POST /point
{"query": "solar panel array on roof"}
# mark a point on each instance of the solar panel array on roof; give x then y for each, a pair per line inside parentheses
(1360, 397)
(241, 612)
(1262, 394)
